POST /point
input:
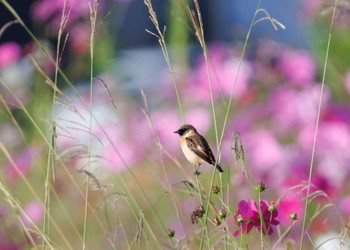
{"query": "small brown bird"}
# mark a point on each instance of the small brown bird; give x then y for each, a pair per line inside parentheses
(195, 147)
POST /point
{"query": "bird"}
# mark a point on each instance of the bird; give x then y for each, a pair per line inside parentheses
(196, 148)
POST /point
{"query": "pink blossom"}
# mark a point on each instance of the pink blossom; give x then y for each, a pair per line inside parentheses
(125, 154)
(45, 9)
(333, 141)
(298, 66)
(200, 118)
(347, 82)
(311, 7)
(292, 108)
(344, 206)
(50, 11)
(247, 217)
(121, 151)
(263, 150)
(288, 205)
(178, 227)
(80, 38)
(223, 70)
(269, 214)
(10, 52)
(23, 164)
(165, 122)
(35, 211)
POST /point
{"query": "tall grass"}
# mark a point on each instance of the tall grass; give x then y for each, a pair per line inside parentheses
(148, 224)
(318, 121)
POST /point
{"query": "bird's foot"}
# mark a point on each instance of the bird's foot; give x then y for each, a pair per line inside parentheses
(197, 173)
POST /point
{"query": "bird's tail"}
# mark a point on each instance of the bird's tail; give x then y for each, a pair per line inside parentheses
(218, 167)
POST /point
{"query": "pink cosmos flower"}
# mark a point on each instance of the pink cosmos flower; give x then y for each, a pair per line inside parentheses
(23, 162)
(10, 52)
(200, 118)
(123, 1)
(165, 122)
(333, 140)
(344, 205)
(269, 215)
(35, 211)
(298, 67)
(80, 38)
(247, 217)
(290, 204)
(266, 155)
(292, 108)
(46, 9)
(310, 8)
(223, 69)
(347, 82)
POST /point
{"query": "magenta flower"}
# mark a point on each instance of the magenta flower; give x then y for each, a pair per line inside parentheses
(269, 217)
(10, 52)
(23, 165)
(298, 66)
(197, 213)
(347, 82)
(35, 211)
(290, 204)
(223, 68)
(247, 217)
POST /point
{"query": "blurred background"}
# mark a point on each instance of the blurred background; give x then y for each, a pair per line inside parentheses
(133, 147)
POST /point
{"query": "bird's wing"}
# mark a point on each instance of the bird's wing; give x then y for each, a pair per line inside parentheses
(201, 148)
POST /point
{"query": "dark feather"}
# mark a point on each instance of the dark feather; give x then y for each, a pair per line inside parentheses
(204, 152)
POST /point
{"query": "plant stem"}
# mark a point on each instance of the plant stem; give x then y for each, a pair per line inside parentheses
(317, 123)
(93, 17)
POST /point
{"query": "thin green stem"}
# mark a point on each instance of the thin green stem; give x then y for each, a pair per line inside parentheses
(317, 123)
(261, 222)
(198, 26)
(236, 77)
(31, 189)
(223, 207)
(202, 204)
(162, 43)
(93, 17)
(50, 162)
(207, 207)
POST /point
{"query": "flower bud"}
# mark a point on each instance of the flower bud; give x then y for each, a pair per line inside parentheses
(215, 189)
(216, 221)
(222, 214)
(171, 233)
(260, 187)
(240, 219)
(293, 216)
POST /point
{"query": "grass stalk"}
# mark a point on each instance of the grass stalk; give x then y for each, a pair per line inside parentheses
(12, 118)
(50, 161)
(58, 158)
(236, 77)
(261, 222)
(93, 17)
(64, 77)
(35, 194)
(196, 19)
(317, 124)
(161, 39)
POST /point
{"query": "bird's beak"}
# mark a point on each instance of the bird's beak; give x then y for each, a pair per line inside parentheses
(177, 131)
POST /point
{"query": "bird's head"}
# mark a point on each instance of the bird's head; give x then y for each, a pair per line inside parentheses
(185, 129)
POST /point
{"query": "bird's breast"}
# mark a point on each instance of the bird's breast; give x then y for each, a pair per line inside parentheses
(189, 154)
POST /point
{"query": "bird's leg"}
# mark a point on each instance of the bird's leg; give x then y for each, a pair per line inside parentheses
(196, 172)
